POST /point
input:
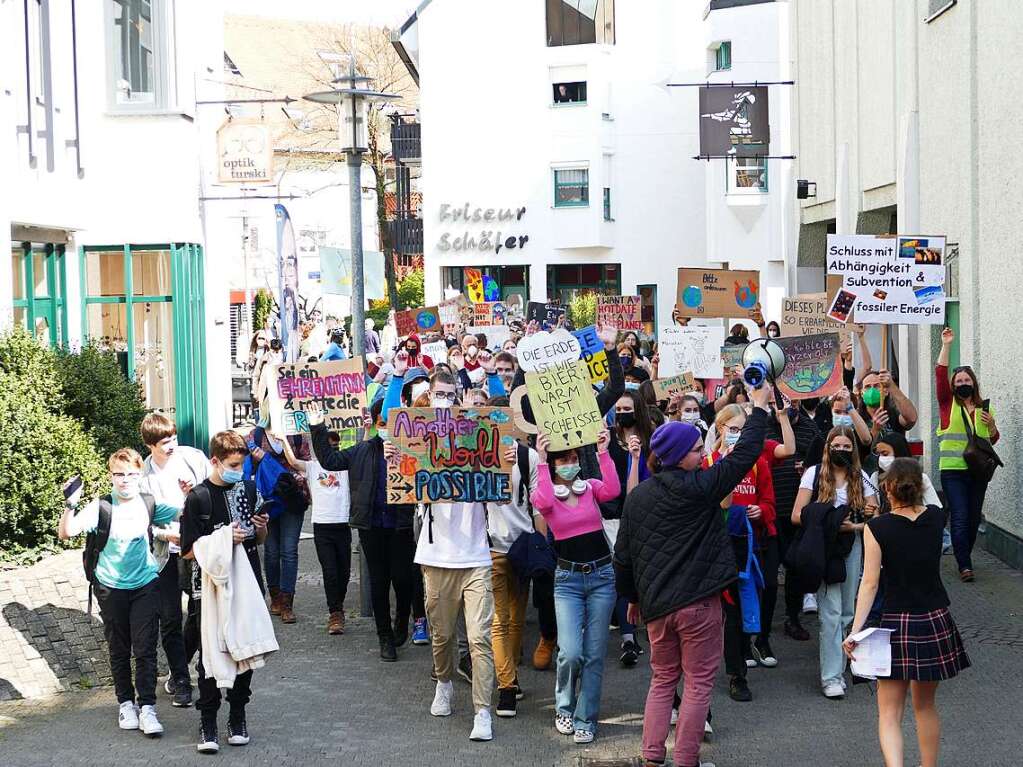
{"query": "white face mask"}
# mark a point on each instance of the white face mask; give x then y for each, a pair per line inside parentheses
(441, 402)
(690, 417)
(885, 462)
(419, 389)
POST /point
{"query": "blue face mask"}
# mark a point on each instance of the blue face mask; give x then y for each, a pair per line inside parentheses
(230, 476)
(842, 420)
(731, 439)
(631, 385)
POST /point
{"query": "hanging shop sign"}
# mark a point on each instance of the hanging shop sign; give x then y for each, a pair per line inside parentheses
(483, 230)
(245, 152)
(734, 121)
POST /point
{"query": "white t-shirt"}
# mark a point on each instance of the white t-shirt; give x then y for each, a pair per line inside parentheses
(185, 463)
(332, 501)
(930, 494)
(459, 536)
(508, 521)
(841, 494)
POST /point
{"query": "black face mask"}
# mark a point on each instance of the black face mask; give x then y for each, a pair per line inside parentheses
(840, 458)
(964, 391)
(625, 420)
(811, 403)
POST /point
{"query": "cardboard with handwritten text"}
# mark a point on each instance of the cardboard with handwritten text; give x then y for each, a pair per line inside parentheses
(813, 366)
(693, 349)
(806, 314)
(564, 405)
(450, 455)
(680, 384)
(622, 312)
(592, 352)
(718, 293)
(338, 387)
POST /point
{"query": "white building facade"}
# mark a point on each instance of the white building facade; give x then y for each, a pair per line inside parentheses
(557, 157)
(102, 151)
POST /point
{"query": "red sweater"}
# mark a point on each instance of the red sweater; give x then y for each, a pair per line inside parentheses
(946, 398)
(756, 488)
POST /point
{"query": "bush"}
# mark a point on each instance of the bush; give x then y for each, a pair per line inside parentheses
(582, 309)
(97, 394)
(411, 291)
(263, 305)
(33, 366)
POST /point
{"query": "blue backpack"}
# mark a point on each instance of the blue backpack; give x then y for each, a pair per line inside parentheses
(531, 556)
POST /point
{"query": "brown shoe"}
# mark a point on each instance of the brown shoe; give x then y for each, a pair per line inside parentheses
(336, 624)
(275, 600)
(966, 576)
(543, 654)
(287, 603)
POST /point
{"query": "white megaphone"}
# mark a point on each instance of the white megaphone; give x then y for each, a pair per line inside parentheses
(763, 361)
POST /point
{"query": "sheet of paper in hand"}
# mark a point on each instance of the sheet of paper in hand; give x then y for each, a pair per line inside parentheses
(693, 349)
(450, 455)
(338, 387)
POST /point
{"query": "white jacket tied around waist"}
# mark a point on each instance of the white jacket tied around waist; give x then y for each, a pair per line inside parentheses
(237, 633)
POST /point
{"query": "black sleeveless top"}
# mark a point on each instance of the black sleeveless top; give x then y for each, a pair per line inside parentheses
(911, 561)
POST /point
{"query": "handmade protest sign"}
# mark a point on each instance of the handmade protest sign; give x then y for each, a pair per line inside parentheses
(592, 353)
(436, 350)
(489, 313)
(496, 335)
(545, 350)
(450, 312)
(813, 366)
(474, 285)
(693, 349)
(718, 293)
(622, 312)
(450, 455)
(410, 321)
(547, 315)
(806, 314)
(731, 356)
(680, 384)
(888, 280)
(564, 406)
(339, 387)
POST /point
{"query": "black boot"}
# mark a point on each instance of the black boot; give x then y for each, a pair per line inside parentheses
(401, 631)
(388, 652)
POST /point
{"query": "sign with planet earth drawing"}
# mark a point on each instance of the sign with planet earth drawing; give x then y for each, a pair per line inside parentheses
(718, 293)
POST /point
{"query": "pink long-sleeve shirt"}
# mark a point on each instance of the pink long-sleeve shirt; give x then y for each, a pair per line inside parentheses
(569, 521)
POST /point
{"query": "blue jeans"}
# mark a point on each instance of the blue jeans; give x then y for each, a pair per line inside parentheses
(836, 607)
(583, 603)
(281, 551)
(621, 613)
(965, 498)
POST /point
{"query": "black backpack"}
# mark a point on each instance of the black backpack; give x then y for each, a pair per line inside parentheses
(531, 555)
(96, 541)
(185, 566)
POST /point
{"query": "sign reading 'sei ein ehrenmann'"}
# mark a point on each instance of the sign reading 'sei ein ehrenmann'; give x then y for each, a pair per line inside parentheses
(244, 152)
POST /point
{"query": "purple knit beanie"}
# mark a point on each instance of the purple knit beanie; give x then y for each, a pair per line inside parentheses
(672, 441)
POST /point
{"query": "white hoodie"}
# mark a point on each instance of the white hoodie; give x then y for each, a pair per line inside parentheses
(237, 633)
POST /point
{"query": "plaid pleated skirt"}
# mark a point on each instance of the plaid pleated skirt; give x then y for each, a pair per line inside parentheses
(926, 647)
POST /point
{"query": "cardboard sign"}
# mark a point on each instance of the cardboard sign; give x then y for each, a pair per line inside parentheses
(564, 406)
(593, 353)
(496, 334)
(718, 293)
(888, 280)
(680, 384)
(410, 321)
(807, 314)
(489, 313)
(547, 315)
(450, 455)
(338, 387)
(542, 351)
(731, 356)
(622, 312)
(474, 285)
(450, 312)
(813, 367)
(693, 349)
(436, 350)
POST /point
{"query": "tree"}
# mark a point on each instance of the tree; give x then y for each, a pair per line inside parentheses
(261, 311)
(411, 291)
(582, 309)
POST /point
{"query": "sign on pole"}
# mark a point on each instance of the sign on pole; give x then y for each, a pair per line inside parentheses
(245, 152)
(622, 312)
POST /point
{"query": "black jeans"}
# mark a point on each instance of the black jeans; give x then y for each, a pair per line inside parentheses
(736, 641)
(767, 558)
(543, 601)
(418, 595)
(793, 593)
(131, 624)
(333, 543)
(209, 694)
(389, 555)
(170, 621)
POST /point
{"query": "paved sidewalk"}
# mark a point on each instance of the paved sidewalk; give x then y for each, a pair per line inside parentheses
(329, 700)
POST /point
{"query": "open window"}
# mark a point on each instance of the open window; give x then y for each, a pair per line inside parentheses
(570, 93)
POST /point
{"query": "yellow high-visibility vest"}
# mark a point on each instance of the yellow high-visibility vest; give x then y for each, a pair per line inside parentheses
(954, 439)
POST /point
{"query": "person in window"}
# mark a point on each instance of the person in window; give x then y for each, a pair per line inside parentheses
(561, 95)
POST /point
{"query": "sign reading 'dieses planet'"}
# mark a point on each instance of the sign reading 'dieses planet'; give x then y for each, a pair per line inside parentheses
(718, 293)
(450, 455)
(339, 387)
(813, 366)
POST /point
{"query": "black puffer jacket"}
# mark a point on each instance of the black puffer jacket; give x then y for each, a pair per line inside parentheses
(363, 463)
(673, 548)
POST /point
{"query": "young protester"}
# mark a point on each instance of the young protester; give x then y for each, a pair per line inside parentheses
(845, 415)
(629, 448)
(224, 499)
(902, 550)
(124, 574)
(506, 523)
(413, 348)
(168, 474)
(898, 412)
(336, 348)
(634, 371)
(887, 449)
(332, 534)
(837, 496)
(773, 329)
(385, 530)
(752, 500)
(584, 592)
(673, 558)
(962, 411)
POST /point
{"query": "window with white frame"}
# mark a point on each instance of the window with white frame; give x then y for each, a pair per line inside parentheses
(138, 35)
(747, 175)
(571, 187)
(570, 93)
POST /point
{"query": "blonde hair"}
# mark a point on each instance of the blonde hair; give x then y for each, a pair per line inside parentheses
(826, 490)
(125, 456)
(726, 414)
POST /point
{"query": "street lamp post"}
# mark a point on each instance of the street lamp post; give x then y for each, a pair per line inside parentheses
(353, 100)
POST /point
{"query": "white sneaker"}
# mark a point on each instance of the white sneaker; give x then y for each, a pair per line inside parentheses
(707, 729)
(809, 603)
(482, 726)
(441, 705)
(750, 663)
(834, 690)
(563, 724)
(148, 722)
(582, 737)
(128, 716)
(674, 717)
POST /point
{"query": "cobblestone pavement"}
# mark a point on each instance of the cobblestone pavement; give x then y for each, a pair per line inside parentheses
(329, 700)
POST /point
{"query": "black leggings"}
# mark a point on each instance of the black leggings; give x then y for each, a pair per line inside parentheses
(389, 555)
(334, 551)
(543, 601)
(793, 593)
